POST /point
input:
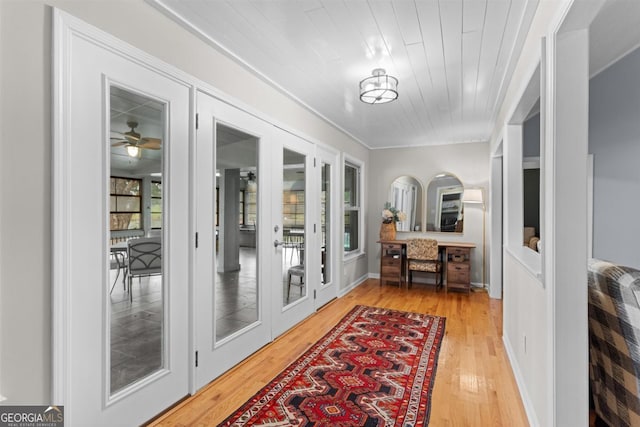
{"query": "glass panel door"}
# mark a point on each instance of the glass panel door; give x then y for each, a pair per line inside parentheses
(295, 253)
(137, 302)
(293, 227)
(325, 223)
(232, 318)
(327, 197)
(122, 348)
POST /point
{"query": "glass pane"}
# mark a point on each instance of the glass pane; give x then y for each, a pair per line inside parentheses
(325, 223)
(236, 287)
(351, 230)
(135, 295)
(127, 204)
(293, 218)
(251, 208)
(156, 220)
(156, 189)
(127, 186)
(350, 186)
(156, 205)
(123, 221)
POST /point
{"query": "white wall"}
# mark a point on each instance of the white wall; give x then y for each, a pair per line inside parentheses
(557, 395)
(25, 308)
(614, 140)
(25, 158)
(469, 162)
(1, 186)
(524, 335)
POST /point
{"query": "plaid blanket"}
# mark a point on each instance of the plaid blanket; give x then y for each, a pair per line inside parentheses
(614, 342)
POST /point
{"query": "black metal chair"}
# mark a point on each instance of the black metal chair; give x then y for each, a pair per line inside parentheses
(298, 271)
(144, 258)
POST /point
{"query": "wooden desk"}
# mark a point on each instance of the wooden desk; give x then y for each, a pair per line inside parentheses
(456, 258)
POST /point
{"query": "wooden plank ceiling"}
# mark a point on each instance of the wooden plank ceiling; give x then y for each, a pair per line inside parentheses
(453, 58)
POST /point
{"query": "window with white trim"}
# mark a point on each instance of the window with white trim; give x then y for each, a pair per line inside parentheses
(352, 207)
(156, 205)
(125, 204)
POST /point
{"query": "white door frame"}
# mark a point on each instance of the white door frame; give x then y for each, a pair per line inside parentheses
(86, 58)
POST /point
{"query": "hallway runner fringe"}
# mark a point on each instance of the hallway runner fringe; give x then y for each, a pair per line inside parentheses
(376, 367)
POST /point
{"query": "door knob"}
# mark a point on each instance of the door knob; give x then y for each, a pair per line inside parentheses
(276, 243)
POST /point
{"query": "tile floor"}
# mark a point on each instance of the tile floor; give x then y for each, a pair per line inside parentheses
(136, 331)
(136, 327)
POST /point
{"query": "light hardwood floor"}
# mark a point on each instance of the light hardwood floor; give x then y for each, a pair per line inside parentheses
(474, 384)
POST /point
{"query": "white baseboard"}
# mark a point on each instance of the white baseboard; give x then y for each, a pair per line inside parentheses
(524, 395)
(342, 292)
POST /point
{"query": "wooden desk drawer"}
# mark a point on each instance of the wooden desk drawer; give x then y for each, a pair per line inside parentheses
(390, 270)
(390, 246)
(458, 254)
(458, 273)
(387, 260)
(458, 251)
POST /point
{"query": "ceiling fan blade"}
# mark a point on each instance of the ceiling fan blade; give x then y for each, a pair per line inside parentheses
(119, 143)
(152, 143)
(127, 135)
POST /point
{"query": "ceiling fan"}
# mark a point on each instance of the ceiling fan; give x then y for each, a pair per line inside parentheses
(134, 141)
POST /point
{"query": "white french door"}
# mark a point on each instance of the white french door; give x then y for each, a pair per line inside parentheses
(241, 223)
(121, 162)
(328, 232)
(295, 252)
(231, 294)
(259, 253)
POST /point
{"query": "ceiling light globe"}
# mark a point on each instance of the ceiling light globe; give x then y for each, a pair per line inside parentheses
(133, 151)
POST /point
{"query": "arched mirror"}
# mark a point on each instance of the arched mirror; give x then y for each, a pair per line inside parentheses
(405, 194)
(444, 204)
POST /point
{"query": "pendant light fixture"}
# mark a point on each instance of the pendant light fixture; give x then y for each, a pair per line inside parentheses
(380, 88)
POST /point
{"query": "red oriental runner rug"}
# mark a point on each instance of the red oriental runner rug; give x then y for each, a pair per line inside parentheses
(375, 368)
